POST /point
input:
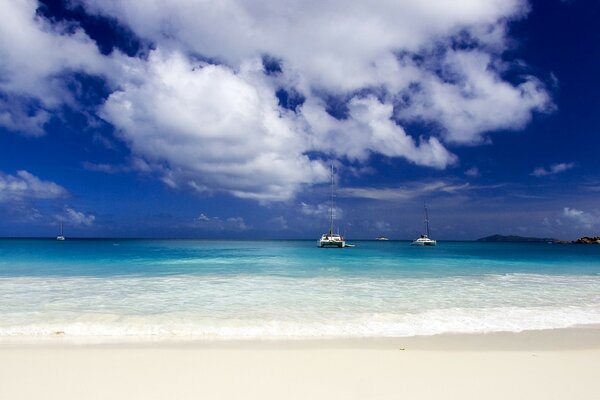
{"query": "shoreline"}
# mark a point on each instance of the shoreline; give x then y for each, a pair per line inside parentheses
(571, 338)
(551, 364)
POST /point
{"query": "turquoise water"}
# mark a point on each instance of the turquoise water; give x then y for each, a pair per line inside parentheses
(279, 289)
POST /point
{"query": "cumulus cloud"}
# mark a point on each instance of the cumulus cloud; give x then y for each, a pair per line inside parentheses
(202, 218)
(335, 44)
(19, 116)
(217, 224)
(582, 218)
(24, 185)
(368, 129)
(459, 91)
(236, 223)
(320, 210)
(553, 170)
(213, 127)
(78, 217)
(34, 57)
(75, 218)
(218, 126)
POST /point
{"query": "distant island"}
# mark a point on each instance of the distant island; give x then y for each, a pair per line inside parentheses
(514, 238)
(525, 239)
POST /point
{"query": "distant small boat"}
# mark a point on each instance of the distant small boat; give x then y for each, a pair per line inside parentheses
(61, 236)
(381, 238)
(424, 240)
(331, 239)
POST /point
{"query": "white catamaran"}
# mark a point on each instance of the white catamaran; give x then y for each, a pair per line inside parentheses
(61, 236)
(424, 240)
(331, 239)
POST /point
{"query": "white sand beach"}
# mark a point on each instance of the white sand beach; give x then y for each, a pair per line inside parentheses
(553, 364)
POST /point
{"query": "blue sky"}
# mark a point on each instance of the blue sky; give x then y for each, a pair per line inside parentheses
(221, 119)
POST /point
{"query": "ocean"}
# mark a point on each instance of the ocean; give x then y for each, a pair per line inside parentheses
(202, 289)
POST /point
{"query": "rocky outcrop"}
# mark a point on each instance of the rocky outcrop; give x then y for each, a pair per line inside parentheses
(588, 240)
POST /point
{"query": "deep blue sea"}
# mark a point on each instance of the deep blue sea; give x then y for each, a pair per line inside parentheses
(195, 289)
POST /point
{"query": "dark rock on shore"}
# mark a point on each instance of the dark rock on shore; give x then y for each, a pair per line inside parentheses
(588, 240)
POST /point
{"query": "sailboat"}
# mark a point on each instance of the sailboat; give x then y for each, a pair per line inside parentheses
(61, 236)
(424, 240)
(331, 239)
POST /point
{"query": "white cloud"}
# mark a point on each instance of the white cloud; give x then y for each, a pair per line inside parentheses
(237, 223)
(343, 46)
(15, 114)
(582, 218)
(24, 185)
(408, 192)
(473, 172)
(217, 224)
(219, 128)
(74, 217)
(460, 90)
(553, 170)
(321, 210)
(334, 44)
(33, 55)
(214, 128)
(310, 209)
(102, 167)
(133, 164)
(203, 218)
(369, 128)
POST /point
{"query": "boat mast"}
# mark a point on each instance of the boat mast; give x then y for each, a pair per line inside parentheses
(331, 208)
(426, 220)
(61, 228)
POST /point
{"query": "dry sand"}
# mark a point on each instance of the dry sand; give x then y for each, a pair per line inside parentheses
(557, 364)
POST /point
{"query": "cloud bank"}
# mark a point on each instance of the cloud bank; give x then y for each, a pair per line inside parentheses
(204, 112)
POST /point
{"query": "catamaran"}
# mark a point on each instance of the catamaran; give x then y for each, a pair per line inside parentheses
(61, 236)
(331, 239)
(424, 240)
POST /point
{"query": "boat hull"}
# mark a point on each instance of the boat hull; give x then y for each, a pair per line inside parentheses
(329, 243)
(424, 243)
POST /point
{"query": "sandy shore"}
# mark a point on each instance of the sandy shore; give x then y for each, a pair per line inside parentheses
(557, 364)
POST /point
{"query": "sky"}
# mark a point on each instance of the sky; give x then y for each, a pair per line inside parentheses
(199, 119)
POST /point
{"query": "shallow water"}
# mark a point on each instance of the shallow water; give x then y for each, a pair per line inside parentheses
(280, 289)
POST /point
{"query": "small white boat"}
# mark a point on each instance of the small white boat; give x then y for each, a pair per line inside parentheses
(424, 240)
(61, 236)
(331, 239)
(381, 238)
